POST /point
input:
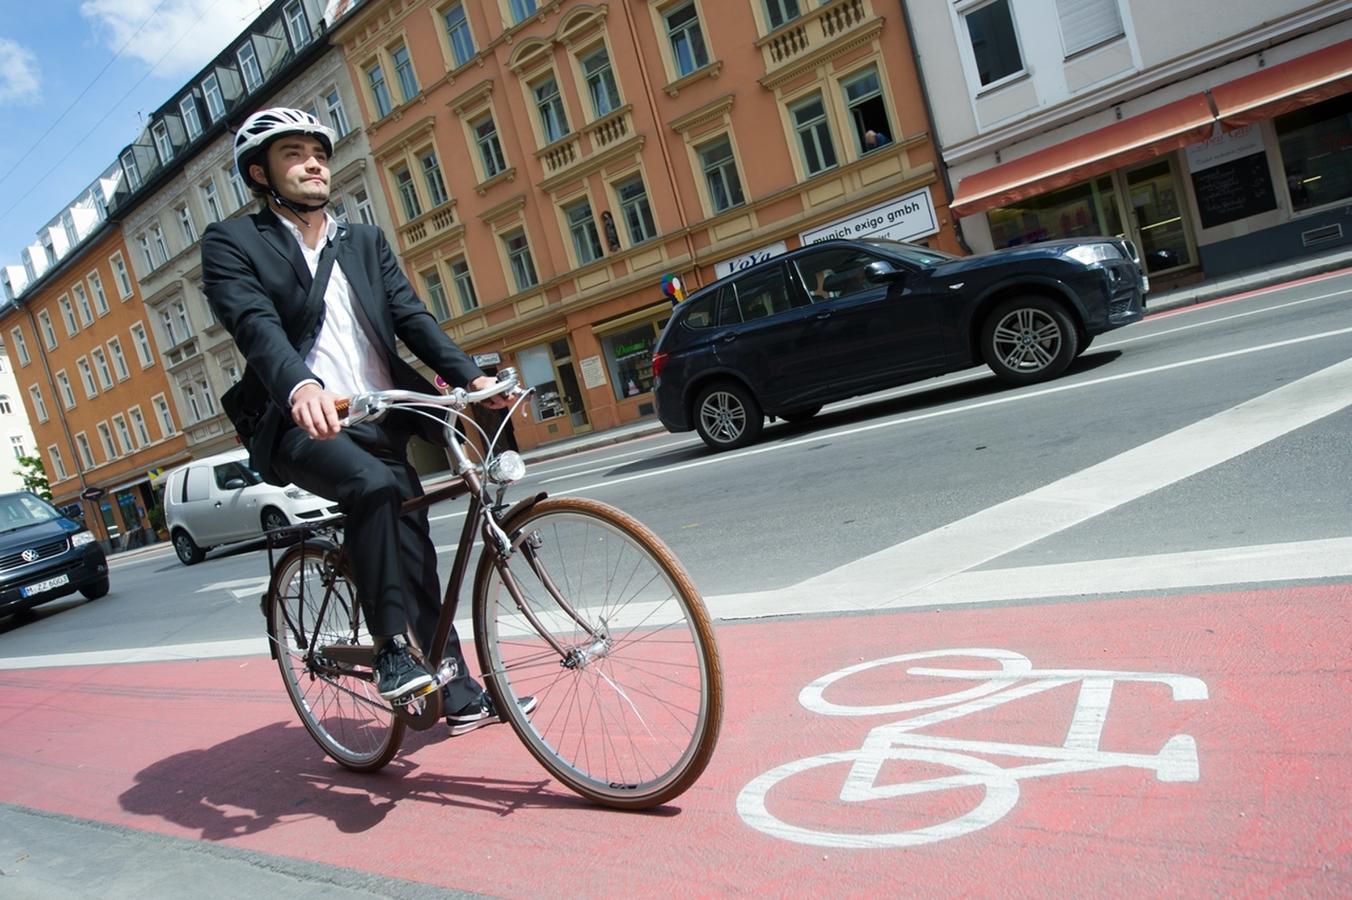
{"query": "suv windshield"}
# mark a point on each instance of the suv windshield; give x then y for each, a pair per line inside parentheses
(911, 253)
(22, 510)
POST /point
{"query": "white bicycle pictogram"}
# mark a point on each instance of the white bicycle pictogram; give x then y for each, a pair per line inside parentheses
(901, 741)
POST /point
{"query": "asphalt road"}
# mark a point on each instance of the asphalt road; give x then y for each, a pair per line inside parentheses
(1166, 526)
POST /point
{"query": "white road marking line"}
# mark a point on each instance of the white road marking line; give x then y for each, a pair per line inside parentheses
(1243, 315)
(889, 577)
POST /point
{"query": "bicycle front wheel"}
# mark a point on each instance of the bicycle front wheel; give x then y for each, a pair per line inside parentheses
(313, 604)
(628, 713)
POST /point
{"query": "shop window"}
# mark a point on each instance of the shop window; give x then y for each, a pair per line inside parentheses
(1081, 210)
(629, 355)
(549, 369)
(995, 46)
(1316, 146)
(868, 112)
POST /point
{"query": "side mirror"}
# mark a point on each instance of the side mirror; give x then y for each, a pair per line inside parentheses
(881, 271)
(235, 484)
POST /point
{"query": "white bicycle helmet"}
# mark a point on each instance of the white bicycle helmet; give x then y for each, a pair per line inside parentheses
(261, 128)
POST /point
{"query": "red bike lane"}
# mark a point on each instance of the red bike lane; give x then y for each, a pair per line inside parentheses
(1181, 744)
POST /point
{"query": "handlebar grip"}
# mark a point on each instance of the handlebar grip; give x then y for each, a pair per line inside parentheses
(341, 406)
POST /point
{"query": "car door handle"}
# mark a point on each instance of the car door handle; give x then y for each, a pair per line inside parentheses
(824, 314)
(218, 504)
(729, 338)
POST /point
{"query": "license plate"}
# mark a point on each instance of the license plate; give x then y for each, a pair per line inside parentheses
(44, 585)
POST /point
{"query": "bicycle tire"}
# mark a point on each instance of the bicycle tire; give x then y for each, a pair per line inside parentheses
(619, 575)
(345, 714)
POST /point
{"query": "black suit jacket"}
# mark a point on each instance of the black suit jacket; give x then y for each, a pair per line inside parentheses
(257, 282)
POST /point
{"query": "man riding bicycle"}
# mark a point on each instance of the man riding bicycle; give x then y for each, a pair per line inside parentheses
(316, 308)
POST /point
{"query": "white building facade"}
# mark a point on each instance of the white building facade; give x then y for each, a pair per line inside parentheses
(1215, 134)
(16, 436)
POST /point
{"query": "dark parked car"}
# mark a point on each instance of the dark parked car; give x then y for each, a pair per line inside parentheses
(842, 318)
(44, 555)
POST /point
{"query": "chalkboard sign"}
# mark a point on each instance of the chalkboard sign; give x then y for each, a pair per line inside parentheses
(1233, 190)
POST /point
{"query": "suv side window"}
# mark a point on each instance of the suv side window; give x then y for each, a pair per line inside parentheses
(834, 272)
(699, 312)
(196, 487)
(763, 293)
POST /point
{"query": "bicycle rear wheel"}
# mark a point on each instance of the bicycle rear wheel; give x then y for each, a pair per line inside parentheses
(312, 602)
(628, 717)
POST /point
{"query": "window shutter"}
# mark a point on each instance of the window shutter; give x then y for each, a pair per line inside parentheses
(1085, 23)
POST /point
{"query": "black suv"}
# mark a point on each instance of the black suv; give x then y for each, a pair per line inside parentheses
(44, 555)
(847, 317)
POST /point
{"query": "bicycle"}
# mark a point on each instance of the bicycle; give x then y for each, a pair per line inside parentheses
(574, 602)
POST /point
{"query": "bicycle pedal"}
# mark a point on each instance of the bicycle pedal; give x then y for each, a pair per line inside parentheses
(416, 694)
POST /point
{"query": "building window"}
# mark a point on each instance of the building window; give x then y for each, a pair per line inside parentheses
(338, 208)
(106, 439)
(48, 332)
(185, 222)
(237, 186)
(63, 388)
(68, 315)
(82, 304)
(458, 34)
(6, 408)
(248, 66)
(119, 360)
(157, 242)
(16, 444)
(490, 149)
(436, 294)
(549, 104)
(132, 170)
(211, 90)
(87, 378)
(814, 134)
(100, 298)
(120, 275)
(635, 211)
(163, 415)
(39, 406)
(995, 46)
(601, 86)
(777, 12)
(138, 422)
(521, 9)
(86, 452)
(163, 146)
(1316, 148)
(297, 27)
(20, 346)
(229, 368)
(365, 213)
(1088, 23)
(144, 354)
(144, 243)
(380, 91)
(123, 434)
(408, 193)
(436, 188)
(337, 115)
(687, 38)
(58, 464)
(868, 112)
(464, 285)
(192, 119)
(720, 174)
(101, 367)
(195, 409)
(582, 227)
(211, 200)
(518, 257)
(403, 71)
(177, 325)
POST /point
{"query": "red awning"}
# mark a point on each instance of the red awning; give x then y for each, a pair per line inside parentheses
(1141, 137)
(1286, 86)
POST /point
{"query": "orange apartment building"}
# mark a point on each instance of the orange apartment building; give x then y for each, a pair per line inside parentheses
(97, 396)
(549, 163)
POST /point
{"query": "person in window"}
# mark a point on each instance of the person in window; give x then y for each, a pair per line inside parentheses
(875, 139)
(304, 355)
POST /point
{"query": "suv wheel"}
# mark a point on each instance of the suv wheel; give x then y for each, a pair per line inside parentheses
(1028, 339)
(188, 552)
(727, 416)
(273, 518)
(95, 590)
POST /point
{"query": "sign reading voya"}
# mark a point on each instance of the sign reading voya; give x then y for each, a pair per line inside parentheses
(902, 219)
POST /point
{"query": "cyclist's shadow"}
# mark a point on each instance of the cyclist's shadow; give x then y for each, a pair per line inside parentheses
(277, 773)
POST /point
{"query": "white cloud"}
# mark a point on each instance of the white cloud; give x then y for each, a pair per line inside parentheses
(18, 74)
(187, 33)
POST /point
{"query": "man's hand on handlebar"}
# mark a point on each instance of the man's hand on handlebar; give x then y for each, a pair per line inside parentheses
(312, 409)
(483, 383)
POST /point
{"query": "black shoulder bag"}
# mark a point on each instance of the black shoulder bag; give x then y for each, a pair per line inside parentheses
(247, 400)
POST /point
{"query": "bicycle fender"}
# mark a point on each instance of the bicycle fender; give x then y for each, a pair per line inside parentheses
(522, 506)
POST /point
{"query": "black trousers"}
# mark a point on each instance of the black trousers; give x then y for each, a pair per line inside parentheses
(365, 470)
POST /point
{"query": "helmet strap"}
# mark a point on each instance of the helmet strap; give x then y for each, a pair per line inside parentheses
(300, 209)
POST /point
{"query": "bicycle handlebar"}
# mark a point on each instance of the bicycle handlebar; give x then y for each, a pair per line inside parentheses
(367, 404)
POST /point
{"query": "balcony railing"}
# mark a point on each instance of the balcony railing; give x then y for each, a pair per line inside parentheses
(571, 152)
(786, 45)
(428, 226)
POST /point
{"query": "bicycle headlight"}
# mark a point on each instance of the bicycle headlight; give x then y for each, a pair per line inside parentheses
(506, 467)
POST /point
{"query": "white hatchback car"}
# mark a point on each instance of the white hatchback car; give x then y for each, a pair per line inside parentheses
(219, 500)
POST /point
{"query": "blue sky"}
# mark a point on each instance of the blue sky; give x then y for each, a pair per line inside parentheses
(51, 53)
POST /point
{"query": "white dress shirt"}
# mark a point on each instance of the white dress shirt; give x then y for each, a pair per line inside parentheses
(345, 356)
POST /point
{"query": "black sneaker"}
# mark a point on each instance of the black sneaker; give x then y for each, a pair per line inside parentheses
(396, 672)
(481, 712)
